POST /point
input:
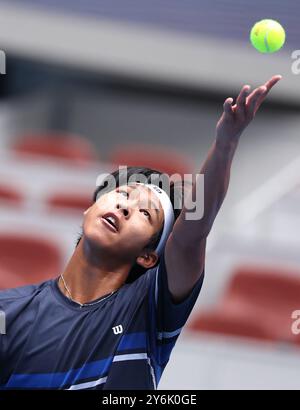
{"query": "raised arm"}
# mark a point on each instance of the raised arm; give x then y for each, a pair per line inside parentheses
(185, 248)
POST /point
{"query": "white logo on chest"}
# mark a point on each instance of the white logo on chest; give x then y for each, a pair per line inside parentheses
(117, 329)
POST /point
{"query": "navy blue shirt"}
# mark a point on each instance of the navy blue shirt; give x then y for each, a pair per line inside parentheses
(123, 342)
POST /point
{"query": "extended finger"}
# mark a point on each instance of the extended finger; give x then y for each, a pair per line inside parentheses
(273, 80)
(241, 99)
(269, 84)
(254, 99)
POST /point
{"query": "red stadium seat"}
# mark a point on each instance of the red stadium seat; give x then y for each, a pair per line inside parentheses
(27, 259)
(258, 303)
(56, 145)
(230, 323)
(159, 158)
(10, 195)
(273, 293)
(9, 280)
(69, 201)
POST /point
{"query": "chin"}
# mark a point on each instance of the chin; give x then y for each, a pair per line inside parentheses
(98, 240)
(96, 237)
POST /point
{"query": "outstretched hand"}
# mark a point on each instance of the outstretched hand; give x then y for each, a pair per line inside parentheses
(235, 118)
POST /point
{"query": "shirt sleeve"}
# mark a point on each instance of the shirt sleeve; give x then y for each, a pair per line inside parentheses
(167, 318)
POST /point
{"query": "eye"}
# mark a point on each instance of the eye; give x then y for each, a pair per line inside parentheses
(124, 192)
(147, 213)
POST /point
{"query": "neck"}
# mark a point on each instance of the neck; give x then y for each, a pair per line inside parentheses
(90, 275)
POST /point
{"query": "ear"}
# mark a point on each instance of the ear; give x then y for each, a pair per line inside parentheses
(147, 259)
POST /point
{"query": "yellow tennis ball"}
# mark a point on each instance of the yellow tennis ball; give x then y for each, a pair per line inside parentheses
(267, 36)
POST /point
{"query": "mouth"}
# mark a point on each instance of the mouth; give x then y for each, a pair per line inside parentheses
(111, 221)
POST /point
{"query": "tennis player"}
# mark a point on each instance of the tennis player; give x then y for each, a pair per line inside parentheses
(112, 317)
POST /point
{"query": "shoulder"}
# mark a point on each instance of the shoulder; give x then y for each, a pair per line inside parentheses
(28, 291)
(139, 288)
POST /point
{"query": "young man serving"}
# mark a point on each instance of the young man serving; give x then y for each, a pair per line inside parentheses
(111, 319)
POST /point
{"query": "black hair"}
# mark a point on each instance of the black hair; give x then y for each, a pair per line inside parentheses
(150, 176)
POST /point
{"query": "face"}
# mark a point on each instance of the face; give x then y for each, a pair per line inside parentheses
(122, 222)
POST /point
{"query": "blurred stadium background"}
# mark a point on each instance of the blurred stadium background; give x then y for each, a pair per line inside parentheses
(88, 82)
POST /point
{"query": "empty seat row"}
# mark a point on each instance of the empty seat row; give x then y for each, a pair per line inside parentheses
(258, 303)
(56, 201)
(62, 146)
(78, 150)
(26, 259)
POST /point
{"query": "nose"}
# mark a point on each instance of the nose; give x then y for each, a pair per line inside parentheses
(124, 209)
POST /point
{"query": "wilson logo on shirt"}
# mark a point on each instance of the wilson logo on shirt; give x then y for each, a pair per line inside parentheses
(117, 329)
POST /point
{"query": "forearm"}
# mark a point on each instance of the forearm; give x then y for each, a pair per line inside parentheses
(216, 170)
(190, 232)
